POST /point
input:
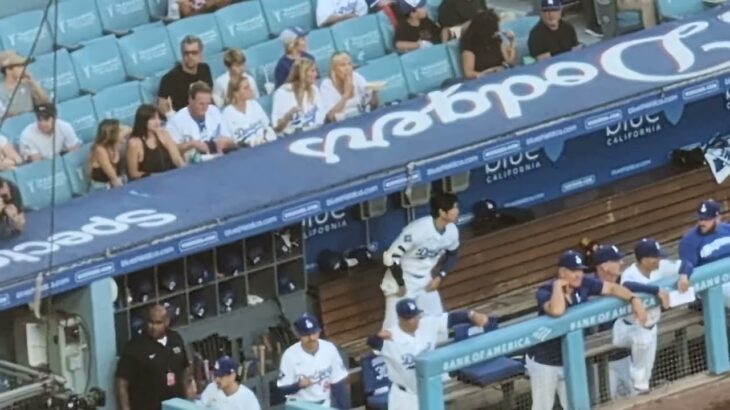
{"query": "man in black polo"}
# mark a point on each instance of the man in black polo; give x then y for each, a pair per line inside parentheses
(153, 367)
(174, 86)
(551, 35)
(12, 218)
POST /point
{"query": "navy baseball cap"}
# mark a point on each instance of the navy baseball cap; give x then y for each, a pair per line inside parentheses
(551, 5)
(290, 34)
(307, 325)
(571, 260)
(408, 6)
(607, 253)
(648, 248)
(407, 309)
(225, 366)
(709, 209)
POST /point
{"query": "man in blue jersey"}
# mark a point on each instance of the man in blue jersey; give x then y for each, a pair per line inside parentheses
(570, 288)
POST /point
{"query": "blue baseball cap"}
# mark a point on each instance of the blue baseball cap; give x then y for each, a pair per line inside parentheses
(551, 5)
(290, 34)
(571, 260)
(648, 248)
(409, 6)
(607, 253)
(709, 209)
(307, 325)
(407, 308)
(225, 366)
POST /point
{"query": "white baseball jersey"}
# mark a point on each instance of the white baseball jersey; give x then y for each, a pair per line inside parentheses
(250, 128)
(215, 398)
(323, 368)
(183, 128)
(220, 88)
(327, 8)
(311, 114)
(422, 245)
(400, 352)
(666, 269)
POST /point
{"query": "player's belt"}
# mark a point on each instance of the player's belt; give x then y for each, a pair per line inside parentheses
(630, 323)
(404, 389)
(320, 402)
(416, 276)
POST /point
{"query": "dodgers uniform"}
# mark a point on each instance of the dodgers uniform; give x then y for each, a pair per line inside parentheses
(215, 398)
(418, 249)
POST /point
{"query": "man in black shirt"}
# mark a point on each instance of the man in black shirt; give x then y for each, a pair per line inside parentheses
(153, 367)
(551, 35)
(12, 218)
(458, 13)
(415, 30)
(173, 93)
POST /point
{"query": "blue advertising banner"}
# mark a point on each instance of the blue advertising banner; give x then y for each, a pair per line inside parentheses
(536, 110)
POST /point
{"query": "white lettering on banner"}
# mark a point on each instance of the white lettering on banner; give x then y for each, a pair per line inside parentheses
(512, 166)
(257, 224)
(711, 282)
(650, 105)
(301, 211)
(488, 353)
(499, 151)
(442, 103)
(94, 272)
(701, 90)
(552, 134)
(603, 119)
(45, 287)
(148, 256)
(630, 168)
(632, 129)
(401, 181)
(458, 163)
(4, 299)
(29, 252)
(578, 183)
(324, 223)
(526, 200)
(352, 195)
(199, 241)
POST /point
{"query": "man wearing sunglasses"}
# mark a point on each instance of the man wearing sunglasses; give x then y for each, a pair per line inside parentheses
(175, 84)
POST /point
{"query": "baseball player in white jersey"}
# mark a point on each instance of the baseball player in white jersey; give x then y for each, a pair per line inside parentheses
(312, 369)
(226, 393)
(411, 259)
(414, 334)
(649, 267)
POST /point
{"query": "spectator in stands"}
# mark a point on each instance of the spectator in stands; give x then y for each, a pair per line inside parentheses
(235, 62)
(455, 15)
(177, 9)
(197, 128)
(150, 149)
(29, 92)
(175, 84)
(12, 218)
(346, 93)
(415, 30)
(297, 105)
(295, 48)
(330, 12)
(105, 161)
(9, 158)
(646, 7)
(551, 35)
(482, 49)
(244, 119)
(48, 136)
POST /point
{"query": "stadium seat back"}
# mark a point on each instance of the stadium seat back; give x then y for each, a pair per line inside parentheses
(99, 64)
(432, 6)
(455, 57)
(374, 374)
(80, 113)
(36, 182)
(76, 166)
(521, 28)
(18, 32)
(157, 8)
(12, 127)
(261, 60)
(8, 176)
(78, 21)
(677, 9)
(147, 51)
(149, 87)
(242, 25)
(267, 103)
(122, 15)
(426, 69)
(12, 8)
(216, 64)
(387, 31)
(203, 26)
(120, 102)
(42, 69)
(360, 37)
(321, 46)
(281, 14)
(387, 69)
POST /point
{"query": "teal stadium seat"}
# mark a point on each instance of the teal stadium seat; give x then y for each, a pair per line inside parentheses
(120, 102)
(120, 16)
(242, 25)
(42, 68)
(216, 64)
(80, 113)
(18, 32)
(455, 57)
(321, 46)
(432, 6)
(12, 8)
(8, 176)
(387, 69)
(426, 69)
(678, 9)
(99, 65)
(78, 21)
(360, 37)
(203, 26)
(149, 87)
(147, 51)
(387, 31)
(12, 127)
(281, 14)
(267, 103)
(521, 28)
(75, 165)
(157, 9)
(36, 183)
(261, 59)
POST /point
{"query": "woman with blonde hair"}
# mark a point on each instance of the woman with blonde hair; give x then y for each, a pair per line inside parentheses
(297, 105)
(105, 165)
(346, 93)
(243, 118)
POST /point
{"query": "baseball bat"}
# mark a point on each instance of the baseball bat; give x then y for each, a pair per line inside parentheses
(262, 359)
(206, 369)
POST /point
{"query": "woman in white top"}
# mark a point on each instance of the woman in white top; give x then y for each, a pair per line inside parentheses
(345, 93)
(297, 104)
(244, 119)
(9, 157)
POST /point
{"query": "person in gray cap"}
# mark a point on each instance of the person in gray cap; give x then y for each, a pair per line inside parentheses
(295, 48)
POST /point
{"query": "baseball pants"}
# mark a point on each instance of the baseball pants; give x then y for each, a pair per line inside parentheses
(642, 342)
(399, 399)
(620, 384)
(429, 302)
(545, 380)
